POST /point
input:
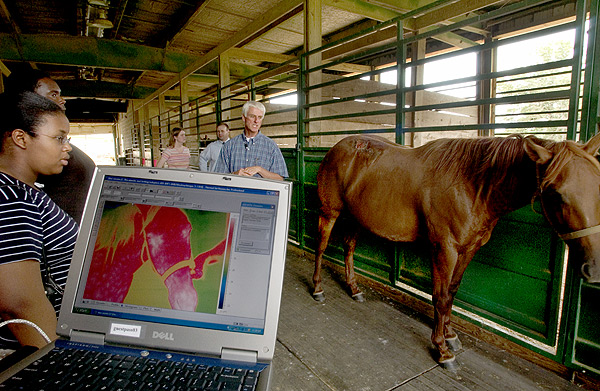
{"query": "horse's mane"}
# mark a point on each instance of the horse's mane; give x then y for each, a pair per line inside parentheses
(488, 163)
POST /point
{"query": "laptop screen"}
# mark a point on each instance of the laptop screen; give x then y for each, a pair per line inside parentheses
(179, 253)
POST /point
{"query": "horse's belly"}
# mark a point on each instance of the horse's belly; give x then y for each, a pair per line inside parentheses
(396, 223)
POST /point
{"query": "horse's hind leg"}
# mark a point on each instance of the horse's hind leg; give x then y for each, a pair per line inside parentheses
(326, 223)
(350, 246)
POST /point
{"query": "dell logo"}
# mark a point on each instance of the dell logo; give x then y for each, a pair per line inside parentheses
(163, 335)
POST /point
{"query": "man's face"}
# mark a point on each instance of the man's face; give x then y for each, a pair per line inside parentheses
(252, 121)
(222, 132)
(48, 88)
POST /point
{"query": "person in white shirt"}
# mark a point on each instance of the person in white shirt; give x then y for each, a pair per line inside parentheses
(210, 155)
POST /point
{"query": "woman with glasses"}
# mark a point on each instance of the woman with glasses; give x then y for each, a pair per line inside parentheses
(36, 236)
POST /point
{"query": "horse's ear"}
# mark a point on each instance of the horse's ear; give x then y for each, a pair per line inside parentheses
(593, 144)
(536, 152)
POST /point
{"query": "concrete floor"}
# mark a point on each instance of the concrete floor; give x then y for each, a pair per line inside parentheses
(344, 345)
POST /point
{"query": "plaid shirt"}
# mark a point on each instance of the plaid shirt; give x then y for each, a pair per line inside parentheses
(241, 152)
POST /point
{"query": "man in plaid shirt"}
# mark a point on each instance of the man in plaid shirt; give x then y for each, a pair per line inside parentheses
(252, 153)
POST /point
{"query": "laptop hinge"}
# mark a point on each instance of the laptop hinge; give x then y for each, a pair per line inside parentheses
(239, 355)
(87, 337)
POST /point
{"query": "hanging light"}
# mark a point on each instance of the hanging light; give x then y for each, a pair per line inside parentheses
(102, 21)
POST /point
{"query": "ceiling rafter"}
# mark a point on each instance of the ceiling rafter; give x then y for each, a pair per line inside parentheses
(451, 11)
(275, 13)
(197, 12)
(364, 8)
(383, 13)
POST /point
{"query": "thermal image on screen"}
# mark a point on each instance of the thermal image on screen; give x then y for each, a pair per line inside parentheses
(159, 256)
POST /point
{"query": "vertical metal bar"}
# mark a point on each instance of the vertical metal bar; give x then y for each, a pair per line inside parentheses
(400, 94)
(252, 90)
(300, 144)
(591, 82)
(400, 102)
(198, 121)
(151, 144)
(484, 87)
(576, 70)
(218, 105)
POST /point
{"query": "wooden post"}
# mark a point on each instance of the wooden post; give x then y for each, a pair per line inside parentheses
(224, 79)
(313, 40)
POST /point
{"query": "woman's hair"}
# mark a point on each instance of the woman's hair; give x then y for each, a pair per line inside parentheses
(255, 104)
(26, 111)
(174, 133)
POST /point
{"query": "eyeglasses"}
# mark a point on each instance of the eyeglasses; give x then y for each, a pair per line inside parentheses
(254, 117)
(61, 139)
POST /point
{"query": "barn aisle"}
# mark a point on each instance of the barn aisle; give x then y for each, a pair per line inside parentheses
(346, 346)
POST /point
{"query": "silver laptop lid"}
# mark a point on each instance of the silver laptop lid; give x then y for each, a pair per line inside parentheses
(179, 260)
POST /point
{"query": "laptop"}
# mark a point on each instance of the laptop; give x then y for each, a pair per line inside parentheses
(182, 266)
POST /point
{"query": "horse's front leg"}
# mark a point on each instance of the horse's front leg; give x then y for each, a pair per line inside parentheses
(325, 226)
(443, 267)
(350, 247)
(182, 295)
(451, 337)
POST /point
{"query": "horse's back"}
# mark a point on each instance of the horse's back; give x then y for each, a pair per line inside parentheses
(375, 180)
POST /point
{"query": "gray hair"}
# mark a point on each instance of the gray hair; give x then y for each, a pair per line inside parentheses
(255, 104)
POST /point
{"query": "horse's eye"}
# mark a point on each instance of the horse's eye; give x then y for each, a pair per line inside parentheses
(552, 196)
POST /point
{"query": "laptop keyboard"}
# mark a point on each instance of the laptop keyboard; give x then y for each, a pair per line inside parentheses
(71, 369)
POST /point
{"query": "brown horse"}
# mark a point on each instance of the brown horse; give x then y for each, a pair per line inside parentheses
(451, 193)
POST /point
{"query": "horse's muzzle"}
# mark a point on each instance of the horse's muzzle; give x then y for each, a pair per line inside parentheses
(590, 272)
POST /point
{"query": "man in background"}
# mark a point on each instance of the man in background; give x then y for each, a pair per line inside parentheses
(252, 153)
(208, 158)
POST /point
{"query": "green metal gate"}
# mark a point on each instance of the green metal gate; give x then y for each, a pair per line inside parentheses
(518, 285)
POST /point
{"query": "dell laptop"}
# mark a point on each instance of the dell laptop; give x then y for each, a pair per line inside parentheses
(181, 271)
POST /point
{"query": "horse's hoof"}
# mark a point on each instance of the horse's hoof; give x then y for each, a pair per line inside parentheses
(359, 297)
(319, 296)
(450, 364)
(454, 344)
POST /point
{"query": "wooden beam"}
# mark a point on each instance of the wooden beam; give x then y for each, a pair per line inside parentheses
(360, 43)
(256, 55)
(456, 9)
(471, 29)
(192, 18)
(364, 8)
(455, 40)
(266, 19)
(91, 51)
(4, 69)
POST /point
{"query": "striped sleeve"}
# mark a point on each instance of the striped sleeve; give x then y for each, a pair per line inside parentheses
(21, 232)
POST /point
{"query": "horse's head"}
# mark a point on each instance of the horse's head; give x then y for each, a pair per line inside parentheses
(569, 184)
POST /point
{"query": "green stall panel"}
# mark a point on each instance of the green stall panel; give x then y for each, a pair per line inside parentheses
(291, 161)
(516, 276)
(583, 352)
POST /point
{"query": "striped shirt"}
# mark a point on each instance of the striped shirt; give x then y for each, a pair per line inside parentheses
(177, 159)
(29, 219)
(242, 152)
